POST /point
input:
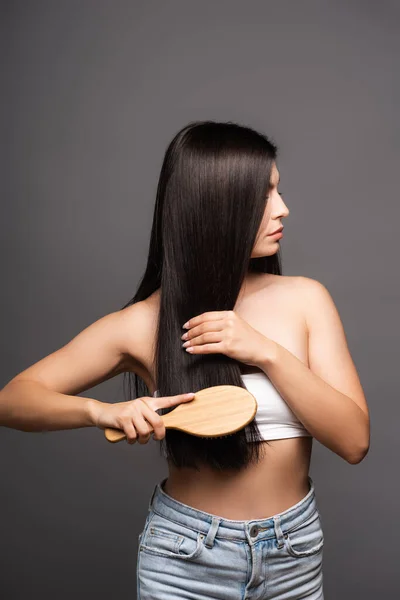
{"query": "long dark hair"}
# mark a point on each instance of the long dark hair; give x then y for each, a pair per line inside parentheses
(211, 197)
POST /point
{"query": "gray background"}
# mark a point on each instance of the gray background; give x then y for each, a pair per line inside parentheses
(92, 94)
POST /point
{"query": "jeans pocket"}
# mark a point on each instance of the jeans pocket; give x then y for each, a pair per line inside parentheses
(307, 538)
(167, 538)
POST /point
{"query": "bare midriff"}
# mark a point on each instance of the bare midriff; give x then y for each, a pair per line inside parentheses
(276, 483)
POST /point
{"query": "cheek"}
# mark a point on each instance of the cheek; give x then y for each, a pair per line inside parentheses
(262, 237)
(263, 228)
(264, 225)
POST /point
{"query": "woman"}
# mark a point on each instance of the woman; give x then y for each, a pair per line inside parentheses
(237, 516)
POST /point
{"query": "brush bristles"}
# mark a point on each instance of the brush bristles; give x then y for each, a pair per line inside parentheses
(213, 437)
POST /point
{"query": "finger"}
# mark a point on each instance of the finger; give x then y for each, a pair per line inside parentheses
(143, 429)
(130, 431)
(167, 401)
(206, 327)
(155, 422)
(204, 338)
(206, 349)
(207, 316)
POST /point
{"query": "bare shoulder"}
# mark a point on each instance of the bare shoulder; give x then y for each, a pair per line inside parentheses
(281, 281)
(283, 286)
(308, 283)
(292, 283)
(303, 298)
(315, 298)
(289, 292)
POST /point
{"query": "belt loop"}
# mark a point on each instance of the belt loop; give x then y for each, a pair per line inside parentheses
(278, 531)
(209, 541)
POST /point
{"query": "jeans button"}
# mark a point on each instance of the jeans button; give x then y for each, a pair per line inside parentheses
(254, 531)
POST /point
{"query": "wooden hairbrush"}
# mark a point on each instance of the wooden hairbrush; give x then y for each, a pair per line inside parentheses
(215, 411)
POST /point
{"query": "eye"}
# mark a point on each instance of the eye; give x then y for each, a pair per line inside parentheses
(279, 192)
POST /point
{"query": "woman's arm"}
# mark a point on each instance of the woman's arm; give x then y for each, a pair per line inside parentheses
(327, 397)
(29, 406)
(42, 398)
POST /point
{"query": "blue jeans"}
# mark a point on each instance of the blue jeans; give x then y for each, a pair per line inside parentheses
(188, 553)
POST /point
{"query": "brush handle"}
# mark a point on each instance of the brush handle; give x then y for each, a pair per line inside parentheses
(216, 411)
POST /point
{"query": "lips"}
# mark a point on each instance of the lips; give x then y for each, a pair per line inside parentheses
(277, 231)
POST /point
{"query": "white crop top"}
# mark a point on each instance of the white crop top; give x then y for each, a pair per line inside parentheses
(274, 417)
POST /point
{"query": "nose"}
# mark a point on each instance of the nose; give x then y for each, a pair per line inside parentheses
(280, 210)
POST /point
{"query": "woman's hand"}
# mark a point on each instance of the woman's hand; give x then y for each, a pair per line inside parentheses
(137, 418)
(227, 333)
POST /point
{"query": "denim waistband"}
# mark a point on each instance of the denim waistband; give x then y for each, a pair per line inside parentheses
(214, 526)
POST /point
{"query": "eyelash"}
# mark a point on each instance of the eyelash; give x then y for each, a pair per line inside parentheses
(280, 193)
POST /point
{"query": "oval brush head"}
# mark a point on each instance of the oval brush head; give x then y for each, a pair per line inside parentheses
(215, 411)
